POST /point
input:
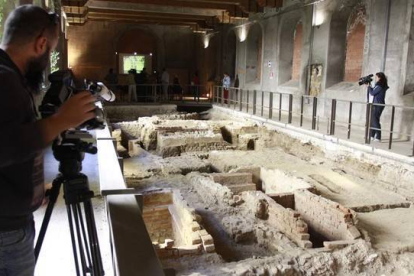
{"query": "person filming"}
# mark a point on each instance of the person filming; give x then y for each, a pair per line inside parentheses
(376, 95)
(30, 35)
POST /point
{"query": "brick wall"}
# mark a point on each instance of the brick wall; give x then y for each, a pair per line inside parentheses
(92, 47)
(285, 220)
(326, 217)
(354, 53)
(210, 190)
(157, 217)
(297, 52)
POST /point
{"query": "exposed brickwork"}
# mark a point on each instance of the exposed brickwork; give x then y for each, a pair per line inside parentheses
(354, 53)
(158, 222)
(297, 52)
(236, 182)
(285, 220)
(173, 226)
(287, 200)
(326, 217)
(157, 217)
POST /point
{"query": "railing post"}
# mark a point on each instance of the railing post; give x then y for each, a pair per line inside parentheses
(254, 101)
(262, 107)
(301, 110)
(350, 120)
(333, 117)
(229, 98)
(271, 105)
(222, 96)
(241, 99)
(280, 106)
(247, 101)
(368, 124)
(392, 126)
(314, 112)
(290, 108)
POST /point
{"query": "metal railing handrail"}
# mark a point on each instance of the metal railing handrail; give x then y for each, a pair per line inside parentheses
(229, 99)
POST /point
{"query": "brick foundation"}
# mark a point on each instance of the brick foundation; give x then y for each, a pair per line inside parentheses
(173, 226)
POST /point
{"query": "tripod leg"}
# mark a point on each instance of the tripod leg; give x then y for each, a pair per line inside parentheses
(79, 238)
(93, 238)
(85, 238)
(72, 236)
(54, 194)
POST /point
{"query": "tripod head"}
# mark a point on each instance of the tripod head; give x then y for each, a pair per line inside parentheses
(70, 151)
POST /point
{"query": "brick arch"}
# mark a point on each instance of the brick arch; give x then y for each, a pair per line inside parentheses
(290, 54)
(254, 54)
(230, 53)
(297, 51)
(355, 45)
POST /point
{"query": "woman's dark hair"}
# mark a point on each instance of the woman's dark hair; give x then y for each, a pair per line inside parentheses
(382, 79)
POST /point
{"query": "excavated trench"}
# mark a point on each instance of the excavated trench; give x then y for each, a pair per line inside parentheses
(257, 193)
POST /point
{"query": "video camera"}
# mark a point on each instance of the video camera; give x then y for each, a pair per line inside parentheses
(365, 80)
(62, 88)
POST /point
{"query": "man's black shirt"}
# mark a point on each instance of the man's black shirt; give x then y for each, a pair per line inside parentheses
(21, 144)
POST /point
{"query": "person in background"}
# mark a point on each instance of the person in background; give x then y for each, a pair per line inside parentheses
(177, 89)
(165, 81)
(226, 86)
(196, 86)
(111, 80)
(376, 95)
(132, 87)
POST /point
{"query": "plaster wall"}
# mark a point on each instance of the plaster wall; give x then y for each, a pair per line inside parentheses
(327, 41)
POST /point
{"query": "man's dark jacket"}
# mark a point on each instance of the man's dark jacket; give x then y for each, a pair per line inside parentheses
(21, 144)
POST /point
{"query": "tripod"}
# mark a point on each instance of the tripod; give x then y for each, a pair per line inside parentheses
(70, 152)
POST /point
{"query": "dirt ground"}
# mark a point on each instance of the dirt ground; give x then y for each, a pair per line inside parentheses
(384, 210)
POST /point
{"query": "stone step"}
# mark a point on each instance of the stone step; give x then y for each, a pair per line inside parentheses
(239, 188)
(232, 178)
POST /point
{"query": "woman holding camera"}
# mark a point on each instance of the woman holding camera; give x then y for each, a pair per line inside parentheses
(376, 95)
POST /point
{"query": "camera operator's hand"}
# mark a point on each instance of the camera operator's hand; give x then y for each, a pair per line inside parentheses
(75, 111)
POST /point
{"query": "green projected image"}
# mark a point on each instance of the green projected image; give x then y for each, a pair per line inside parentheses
(134, 62)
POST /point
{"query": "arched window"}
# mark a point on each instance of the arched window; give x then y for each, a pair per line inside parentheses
(290, 48)
(346, 45)
(297, 51)
(254, 54)
(355, 45)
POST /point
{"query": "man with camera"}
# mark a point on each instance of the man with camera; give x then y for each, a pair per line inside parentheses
(30, 35)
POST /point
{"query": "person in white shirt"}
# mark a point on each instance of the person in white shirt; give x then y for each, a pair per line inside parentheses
(165, 80)
(226, 86)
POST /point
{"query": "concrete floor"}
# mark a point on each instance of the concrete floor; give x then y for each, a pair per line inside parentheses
(56, 257)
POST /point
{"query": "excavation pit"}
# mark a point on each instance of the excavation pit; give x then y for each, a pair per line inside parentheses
(173, 226)
(328, 223)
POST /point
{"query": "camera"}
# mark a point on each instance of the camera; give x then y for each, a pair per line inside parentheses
(365, 80)
(62, 88)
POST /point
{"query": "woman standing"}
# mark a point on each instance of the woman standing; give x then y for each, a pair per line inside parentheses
(376, 95)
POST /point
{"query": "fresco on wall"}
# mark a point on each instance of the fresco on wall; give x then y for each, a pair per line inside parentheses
(316, 79)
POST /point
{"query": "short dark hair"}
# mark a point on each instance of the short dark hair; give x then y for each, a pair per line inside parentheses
(28, 22)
